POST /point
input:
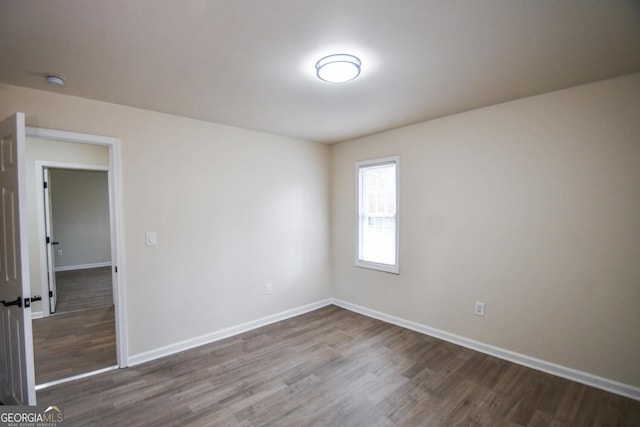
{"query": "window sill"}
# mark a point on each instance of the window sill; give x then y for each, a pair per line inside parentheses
(386, 268)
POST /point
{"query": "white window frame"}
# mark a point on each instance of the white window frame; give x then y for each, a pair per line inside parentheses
(389, 268)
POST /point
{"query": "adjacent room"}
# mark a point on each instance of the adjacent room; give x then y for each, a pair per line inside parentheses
(336, 213)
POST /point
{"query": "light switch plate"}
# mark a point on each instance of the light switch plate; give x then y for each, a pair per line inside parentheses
(152, 238)
(478, 309)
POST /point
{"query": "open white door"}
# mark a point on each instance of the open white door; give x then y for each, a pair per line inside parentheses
(17, 375)
(48, 225)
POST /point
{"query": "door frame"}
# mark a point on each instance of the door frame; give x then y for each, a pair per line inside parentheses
(41, 165)
(114, 172)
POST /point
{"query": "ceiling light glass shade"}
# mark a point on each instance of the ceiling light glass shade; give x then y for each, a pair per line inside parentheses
(54, 80)
(338, 68)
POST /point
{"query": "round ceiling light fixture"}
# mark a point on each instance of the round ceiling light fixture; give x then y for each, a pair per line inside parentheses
(54, 80)
(338, 68)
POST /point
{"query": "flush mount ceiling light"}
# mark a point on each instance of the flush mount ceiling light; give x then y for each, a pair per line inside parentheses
(338, 68)
(54, 80)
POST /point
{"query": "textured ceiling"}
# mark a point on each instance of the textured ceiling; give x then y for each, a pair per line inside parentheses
(251, 63)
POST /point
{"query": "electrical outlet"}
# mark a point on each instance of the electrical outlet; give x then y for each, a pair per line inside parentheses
(268, 289)
(59, 252)
(479, 309)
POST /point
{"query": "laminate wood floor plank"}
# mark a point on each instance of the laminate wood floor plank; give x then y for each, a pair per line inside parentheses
(82, 289)
(74, 343)
(332, 367)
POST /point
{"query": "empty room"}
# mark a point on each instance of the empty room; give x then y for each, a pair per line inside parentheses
(338, 213)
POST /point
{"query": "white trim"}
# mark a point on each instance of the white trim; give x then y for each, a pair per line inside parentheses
(61, 135)
(37, 315)
(170, 349)
(118, 254)
(75, 166)
(518, 358)
(114, 171)
(394, 269)
(83, 266)
(75, 377)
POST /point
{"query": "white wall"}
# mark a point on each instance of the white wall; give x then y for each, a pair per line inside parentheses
(233, 209)
(41, 149)
(80, 216)
(532, 207)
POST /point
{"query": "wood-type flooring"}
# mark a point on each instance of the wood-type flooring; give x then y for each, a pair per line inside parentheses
(74, 343)
(82, 289)
(333, 367)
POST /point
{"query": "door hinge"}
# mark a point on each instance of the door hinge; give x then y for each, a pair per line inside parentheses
(115, 269)
(48, 239)
(45, 185)
(50, 294)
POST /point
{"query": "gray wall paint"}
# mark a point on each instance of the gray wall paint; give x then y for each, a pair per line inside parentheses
(80, 213)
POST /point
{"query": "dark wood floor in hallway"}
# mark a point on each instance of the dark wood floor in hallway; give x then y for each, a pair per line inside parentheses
(82, 289)
(332, 367)
(74, 343)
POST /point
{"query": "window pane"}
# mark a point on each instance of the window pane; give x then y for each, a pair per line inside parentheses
(379, 189)
(379, 240)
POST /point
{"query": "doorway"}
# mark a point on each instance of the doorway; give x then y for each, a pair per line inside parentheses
(78, 243)
(78, 326)
(79, 283)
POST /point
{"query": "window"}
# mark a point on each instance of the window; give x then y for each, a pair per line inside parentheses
(377, 245)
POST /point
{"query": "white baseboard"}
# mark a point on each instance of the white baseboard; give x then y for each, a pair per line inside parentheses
(521, 359)
(83, 266)
(75, 377)
(37, 314)
(168, 350)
